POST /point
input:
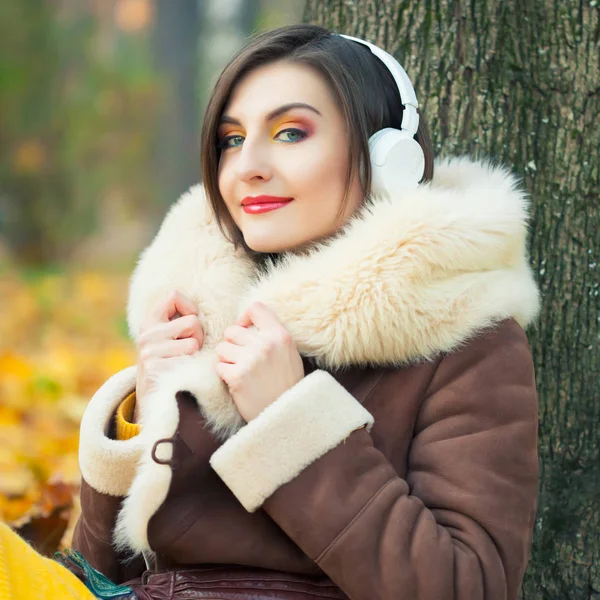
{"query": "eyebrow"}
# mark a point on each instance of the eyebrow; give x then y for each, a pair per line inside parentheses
(274, 113)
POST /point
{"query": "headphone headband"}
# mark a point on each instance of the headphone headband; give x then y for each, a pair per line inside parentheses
(410, 116)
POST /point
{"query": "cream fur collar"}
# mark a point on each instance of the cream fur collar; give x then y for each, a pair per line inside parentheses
(407, 279)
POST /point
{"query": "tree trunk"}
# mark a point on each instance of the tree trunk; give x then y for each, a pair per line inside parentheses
(176, 49)
(519, 82)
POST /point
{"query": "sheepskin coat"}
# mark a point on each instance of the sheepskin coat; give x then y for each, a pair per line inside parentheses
(403, 465)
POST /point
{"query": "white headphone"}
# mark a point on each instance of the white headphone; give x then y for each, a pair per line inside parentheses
(397, 159)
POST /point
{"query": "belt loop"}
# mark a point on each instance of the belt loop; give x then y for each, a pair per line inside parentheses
(172, 462)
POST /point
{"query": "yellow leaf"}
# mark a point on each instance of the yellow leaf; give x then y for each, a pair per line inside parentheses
(133, 15)
(116, 359)
(13, 366)
(59, 342)
(29, 157)
(15, 479)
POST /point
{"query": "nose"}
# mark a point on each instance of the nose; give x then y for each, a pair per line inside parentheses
(253, 163)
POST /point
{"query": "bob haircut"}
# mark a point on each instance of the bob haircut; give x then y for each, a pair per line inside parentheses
(366, 91)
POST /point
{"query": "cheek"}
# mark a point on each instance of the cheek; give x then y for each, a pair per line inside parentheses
(226, 186)
(222, 178)
(321, 173)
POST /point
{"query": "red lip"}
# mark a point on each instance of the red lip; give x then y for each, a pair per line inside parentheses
(255, 205)
(249, 200)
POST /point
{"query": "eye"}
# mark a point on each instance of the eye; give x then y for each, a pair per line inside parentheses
(291, 134)
(231, 141)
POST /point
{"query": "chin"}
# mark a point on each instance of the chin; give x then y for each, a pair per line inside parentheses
(271, 245)
(268, 247)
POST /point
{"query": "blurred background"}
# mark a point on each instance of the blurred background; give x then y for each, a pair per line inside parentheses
(100, 109)
(101, 104)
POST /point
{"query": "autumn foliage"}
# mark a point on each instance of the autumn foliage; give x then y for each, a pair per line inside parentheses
(61, 336)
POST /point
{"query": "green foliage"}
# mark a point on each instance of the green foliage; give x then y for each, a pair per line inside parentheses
(76, 125)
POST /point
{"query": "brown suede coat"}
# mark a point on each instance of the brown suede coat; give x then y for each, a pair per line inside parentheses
(438, 501)
(426, 491)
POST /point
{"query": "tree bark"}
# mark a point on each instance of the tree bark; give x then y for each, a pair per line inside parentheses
(176, 49)
(519, 82)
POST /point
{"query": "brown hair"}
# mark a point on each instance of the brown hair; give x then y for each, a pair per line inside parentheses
(366, 90)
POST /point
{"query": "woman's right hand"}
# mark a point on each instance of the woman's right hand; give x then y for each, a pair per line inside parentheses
(171, 330)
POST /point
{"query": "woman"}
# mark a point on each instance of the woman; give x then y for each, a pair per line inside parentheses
(334, 396)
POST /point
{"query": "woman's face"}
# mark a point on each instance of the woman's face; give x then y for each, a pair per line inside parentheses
(284, 158)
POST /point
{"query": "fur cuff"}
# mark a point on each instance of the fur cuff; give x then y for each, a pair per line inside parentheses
(108, 465)
(307, 421)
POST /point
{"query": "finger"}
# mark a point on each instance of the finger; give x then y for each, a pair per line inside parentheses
(160, 310)
(238, 335)
(169, 349)
(227, 372)
(183, 306)
(259, 315)
(230, 353)
(187, 326)
(168, 307)
(183, 327)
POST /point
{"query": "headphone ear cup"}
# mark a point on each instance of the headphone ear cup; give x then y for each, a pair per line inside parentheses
(397, 161)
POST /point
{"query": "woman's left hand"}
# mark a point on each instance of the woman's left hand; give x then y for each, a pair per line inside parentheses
(259, 364)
